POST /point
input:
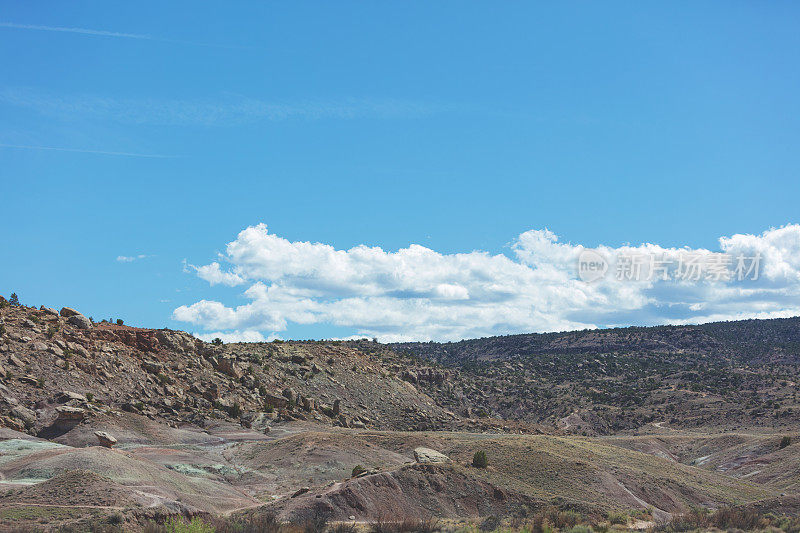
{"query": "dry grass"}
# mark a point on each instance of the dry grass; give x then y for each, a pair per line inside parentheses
(730, 518)
(395, 524)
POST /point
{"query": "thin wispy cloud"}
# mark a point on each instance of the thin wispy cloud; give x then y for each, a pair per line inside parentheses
(84, 151)
(106, 33)
(83, 31)
(131, 258)
(225, 110)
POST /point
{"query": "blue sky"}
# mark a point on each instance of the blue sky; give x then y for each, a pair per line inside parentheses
(166, 129)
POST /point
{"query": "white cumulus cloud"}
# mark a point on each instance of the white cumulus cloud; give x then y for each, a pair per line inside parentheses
(235, 336)
(418, 293)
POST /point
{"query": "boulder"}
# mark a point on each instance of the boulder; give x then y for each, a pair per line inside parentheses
(77, 348)
(429, 456)
(409, 376)
(211, 392)
(49, 311)
(227, 365)
(289, 394)
(153, 367)
(300, 491)
(28, 416)
(70, 414)
(278, 402)
(308, 404)
(11, 423)
(68, 396)
(67, 312)
(39, 346)
(80, 321)
(105, 439)
(176, 340)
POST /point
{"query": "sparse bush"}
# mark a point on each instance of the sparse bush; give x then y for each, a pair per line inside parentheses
(179, 525)
(316, 522)
(217, 342)
(479, 460)
(89, 396)
(617, 517)
(236, 410)
(256, 523)
(580, 529)
(785, 441)
(729, 518)
(568, 519)
(120, 322)
(490, 523)
(358, 469)
(392, 524)
(344, 528)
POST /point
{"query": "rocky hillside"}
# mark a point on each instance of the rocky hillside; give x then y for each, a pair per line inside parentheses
(733, 374)
(115, 425)
(58, 368)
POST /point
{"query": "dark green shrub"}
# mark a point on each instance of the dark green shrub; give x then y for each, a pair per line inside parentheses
(217, 342)
(785, 441)
(479, 460)
(13, 299)
(120, 322)
(617, 517)
(358, 469)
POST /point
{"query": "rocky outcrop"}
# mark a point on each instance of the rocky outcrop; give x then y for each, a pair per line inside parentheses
(70, 414)
(227, 365)
(169, 374)
(428, 456)
(105, 439)
(49, 311)
(79, 321)
(69, 396)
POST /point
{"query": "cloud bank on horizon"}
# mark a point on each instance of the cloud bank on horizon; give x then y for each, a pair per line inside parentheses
(416, 293)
